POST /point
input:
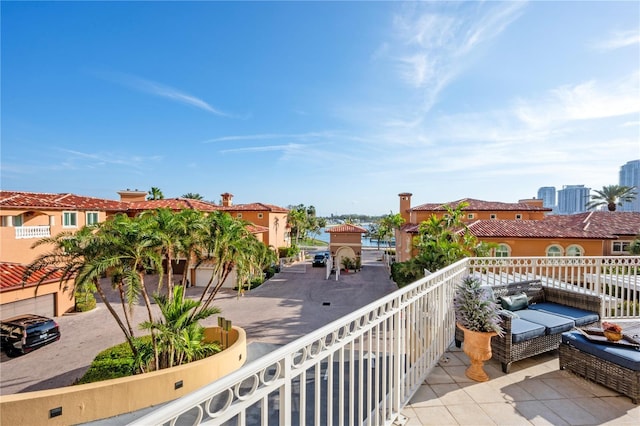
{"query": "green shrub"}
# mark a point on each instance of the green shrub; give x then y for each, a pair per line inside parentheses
(403, 273)
(85, 301)
(112, 363)
(288, 251)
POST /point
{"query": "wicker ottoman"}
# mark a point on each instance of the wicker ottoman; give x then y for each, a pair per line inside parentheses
(615, 368)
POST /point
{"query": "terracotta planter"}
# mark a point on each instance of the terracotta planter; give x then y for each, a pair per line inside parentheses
(477, 346)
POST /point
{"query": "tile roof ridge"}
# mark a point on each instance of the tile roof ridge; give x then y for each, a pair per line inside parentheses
(587, 220)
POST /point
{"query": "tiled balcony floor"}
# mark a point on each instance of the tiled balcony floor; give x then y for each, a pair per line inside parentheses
(535, 392)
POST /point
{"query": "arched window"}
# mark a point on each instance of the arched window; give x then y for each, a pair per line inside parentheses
(503, 250)
(554, 250)
(575, 250)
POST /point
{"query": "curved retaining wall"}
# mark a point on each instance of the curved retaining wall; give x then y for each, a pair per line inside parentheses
(100, 400)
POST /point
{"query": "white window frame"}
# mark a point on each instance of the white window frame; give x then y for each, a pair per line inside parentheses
(260, 215)
(555, 254)
(503, 250)
(69, 214)
(90, 214)
(622, 246)
(573, 247)
(493, 216)
(239, 215)
(470, 216)
(518, 216)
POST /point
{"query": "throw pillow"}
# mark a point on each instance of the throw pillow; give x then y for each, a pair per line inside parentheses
(515, 302)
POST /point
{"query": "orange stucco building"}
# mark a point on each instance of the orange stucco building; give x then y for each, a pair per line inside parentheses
(345, 241)
(26, 217)
(525, 228)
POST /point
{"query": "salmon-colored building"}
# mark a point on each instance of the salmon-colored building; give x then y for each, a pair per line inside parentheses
(50, 298)
(273, 218)
(525, 229)
(345, 241)
(26, 217)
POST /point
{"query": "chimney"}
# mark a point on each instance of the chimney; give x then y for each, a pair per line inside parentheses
(131, 196)
(533, 202)
(227, 199)
(405, 206)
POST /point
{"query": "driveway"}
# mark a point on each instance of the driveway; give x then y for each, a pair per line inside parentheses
(281, 310)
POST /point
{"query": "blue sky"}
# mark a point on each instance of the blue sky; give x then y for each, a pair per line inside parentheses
(340, 105)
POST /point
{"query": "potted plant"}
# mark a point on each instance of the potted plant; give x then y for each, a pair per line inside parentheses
(477, 315)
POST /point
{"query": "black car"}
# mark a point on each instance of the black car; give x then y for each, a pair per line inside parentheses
(24, 333)
(319, 260)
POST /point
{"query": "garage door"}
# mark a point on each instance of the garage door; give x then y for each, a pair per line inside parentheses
(203, 275)
(41, 305)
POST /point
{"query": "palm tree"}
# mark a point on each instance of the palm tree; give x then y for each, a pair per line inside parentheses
(193, 196)
(227, 246)
(192, 227)
(83, 256)
(612, 196)
(134, 249)
(165, 224)
(155, 194)
(388, 225)
(296, 220)
(179, 334)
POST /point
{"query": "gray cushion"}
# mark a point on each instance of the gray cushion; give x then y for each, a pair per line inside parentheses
(522, 330)
(579, 316)
(626, 357)
(515, 302)
(553, 324)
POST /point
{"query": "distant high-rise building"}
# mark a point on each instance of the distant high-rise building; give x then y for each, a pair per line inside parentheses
(573, 199)
(548, 196)
(630, 176)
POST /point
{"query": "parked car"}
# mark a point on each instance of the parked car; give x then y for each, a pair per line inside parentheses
(319, 260)
(24, 333)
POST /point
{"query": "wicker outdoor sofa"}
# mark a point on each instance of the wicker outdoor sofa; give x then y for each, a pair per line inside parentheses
(538, 327)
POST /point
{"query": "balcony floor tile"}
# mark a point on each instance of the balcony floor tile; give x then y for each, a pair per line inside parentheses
(535, 392)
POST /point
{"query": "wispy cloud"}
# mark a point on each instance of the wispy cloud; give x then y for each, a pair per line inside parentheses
(288, 148)
(78, 159)
(432, 46)
(619, 39)
(269, 136)
(163, 91)
(583, 101)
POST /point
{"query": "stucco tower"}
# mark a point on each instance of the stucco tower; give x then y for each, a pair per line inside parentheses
(405, 206)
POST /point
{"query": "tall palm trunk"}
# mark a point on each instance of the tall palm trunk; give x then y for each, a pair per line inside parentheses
(115, 315)
(147, 303)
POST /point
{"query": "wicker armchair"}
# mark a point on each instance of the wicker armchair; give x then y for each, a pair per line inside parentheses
(504, 349)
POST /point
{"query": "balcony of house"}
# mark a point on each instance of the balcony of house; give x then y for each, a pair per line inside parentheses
(30, 232)
(394, 362)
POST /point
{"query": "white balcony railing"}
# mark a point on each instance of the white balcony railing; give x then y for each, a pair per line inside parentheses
(364, 368)
(24, 232)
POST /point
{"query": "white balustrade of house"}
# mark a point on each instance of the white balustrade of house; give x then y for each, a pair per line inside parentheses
(24, 232)
(364, 368)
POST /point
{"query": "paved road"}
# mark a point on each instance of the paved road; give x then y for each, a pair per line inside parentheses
(281, 310)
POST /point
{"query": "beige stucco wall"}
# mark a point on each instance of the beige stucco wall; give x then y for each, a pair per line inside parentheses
(17, 250)
(85, 403)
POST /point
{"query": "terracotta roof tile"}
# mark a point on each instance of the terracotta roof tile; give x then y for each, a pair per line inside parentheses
(346, 229)
(480, 205)
(253, 207)
(11, 276)
(590, 225)
(40, 200)
(531, 229)
(174, 204)
(257, 229)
